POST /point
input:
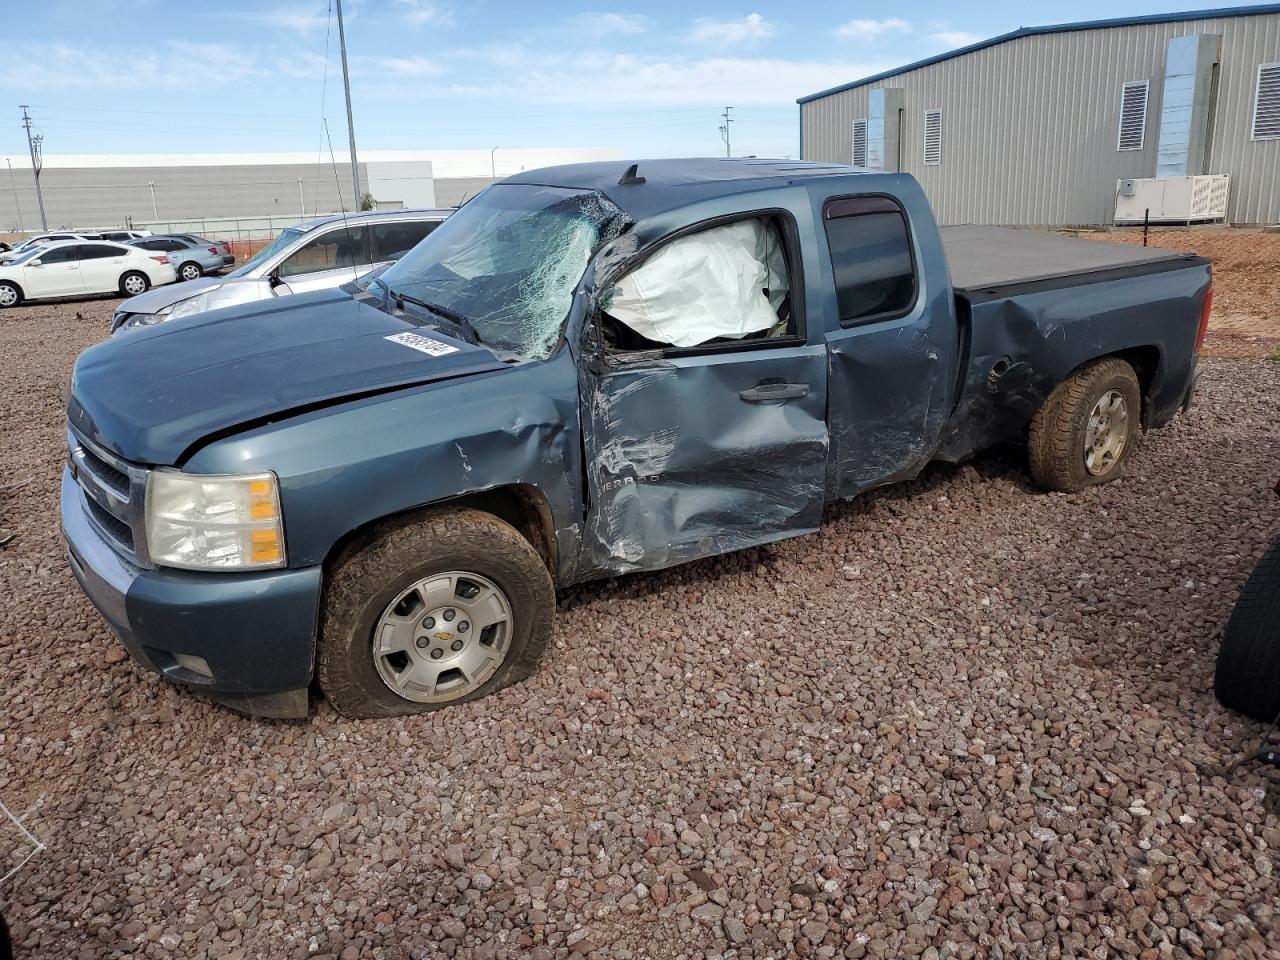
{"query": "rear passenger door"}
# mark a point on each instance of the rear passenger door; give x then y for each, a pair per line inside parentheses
(894, 349)
(100, 266)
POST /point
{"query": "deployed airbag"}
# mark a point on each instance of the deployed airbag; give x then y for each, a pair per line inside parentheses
(723, 282)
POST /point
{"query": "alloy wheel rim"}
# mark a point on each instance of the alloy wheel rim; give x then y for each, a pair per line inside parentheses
(8, 296)
(133, 285)
(190, 273)
(443, 637)
(1106, 433)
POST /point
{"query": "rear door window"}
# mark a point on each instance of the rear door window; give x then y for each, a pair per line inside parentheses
(97, 251)
(870, 258)
(391, 241)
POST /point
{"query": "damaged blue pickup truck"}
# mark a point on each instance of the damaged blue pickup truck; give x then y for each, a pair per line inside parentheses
(588, 370)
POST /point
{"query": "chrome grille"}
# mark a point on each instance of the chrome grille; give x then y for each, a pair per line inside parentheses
(113, 492)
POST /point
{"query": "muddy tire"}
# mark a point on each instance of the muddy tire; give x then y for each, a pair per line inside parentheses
(1087, 429)
(1248, 674)
(397, 635)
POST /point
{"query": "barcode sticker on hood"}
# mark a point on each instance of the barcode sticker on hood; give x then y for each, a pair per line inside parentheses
(418, 342)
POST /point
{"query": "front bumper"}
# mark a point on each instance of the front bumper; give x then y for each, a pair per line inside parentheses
(256, 631)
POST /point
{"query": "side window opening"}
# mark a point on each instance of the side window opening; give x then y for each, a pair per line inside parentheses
(870, 258)
(337, 248)
(726, 284)
(391, 241)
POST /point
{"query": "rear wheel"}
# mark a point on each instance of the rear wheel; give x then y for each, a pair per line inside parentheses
(10, 295)
(1248, 674)
(1087, 429)
(441, 610)
(133, 283)
(190, 271)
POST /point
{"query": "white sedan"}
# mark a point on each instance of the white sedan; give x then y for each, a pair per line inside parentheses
(70, 268)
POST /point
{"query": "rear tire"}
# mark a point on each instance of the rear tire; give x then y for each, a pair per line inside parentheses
(190, 271)
(1248, 674)
(10, 295)
(1087, 429)
(133, 283)
(371, 585)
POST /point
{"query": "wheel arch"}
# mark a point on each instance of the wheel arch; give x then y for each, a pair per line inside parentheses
(523, 506)
(1146, 361)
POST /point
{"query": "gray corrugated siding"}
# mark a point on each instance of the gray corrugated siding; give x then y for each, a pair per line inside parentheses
(91, 197)
(1030, 131)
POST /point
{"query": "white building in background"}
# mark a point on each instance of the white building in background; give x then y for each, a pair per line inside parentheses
(108, 190)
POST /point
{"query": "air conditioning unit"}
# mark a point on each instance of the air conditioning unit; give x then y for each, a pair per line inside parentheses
(1172, 199)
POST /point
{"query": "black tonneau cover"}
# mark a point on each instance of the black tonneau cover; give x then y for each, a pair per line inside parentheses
(986, 258)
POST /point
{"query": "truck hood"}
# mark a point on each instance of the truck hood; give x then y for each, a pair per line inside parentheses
(153, 394)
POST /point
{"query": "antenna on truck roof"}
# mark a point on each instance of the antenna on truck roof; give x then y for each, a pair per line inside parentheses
(631, 178)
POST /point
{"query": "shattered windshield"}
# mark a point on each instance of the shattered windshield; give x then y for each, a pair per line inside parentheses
(508, 262)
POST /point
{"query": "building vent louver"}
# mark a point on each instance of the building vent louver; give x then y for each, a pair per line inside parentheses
(933, 137)
(860, 142)
(1133, 116)
(1266, 103)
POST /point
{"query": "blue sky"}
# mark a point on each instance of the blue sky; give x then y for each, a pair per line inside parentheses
(159, 76)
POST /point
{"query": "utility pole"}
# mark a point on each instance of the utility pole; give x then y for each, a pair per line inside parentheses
(151, 185)
(16, 206)
(493, 168)
(724, 130)
(35, 145)
(302, 197)
(351, 126)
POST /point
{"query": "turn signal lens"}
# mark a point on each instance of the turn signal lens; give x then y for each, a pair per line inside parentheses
(1204, 317)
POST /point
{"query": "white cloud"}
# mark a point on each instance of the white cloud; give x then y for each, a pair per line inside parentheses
(873, 28)
(425, 11)
(60, 66)
(302, 17)
(599, 25)
(408, 66)
(954, 38)
(726, 33)
(664, 80)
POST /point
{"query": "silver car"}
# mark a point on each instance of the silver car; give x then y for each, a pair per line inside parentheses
(314, 255)
(192, 260)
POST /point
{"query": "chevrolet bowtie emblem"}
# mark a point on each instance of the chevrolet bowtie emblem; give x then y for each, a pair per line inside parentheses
(442, 635)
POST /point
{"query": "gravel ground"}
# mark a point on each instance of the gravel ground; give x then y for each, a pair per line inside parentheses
(965, 719)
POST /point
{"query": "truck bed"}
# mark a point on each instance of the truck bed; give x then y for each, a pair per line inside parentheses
(984, 260)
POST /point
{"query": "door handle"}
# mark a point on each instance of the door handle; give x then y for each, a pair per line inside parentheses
(774, 392)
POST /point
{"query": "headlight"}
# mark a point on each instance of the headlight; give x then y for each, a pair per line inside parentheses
(197, 304)
(214, 522)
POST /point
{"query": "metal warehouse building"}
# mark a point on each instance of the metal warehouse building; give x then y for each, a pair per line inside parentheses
(1062, 125)
(110, 190)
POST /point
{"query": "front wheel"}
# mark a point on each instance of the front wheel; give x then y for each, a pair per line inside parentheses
(1087, 429)
(10, 295)
(134, 283)
(190, 271)
(433, 612)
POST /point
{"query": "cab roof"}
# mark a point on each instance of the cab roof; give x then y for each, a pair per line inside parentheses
(669, 184)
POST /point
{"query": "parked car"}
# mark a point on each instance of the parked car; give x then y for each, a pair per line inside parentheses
(40, 240)
(586, 371)
(123, 236)
(192, 260)
(316, 255)
(222, 246)
(67, 268)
